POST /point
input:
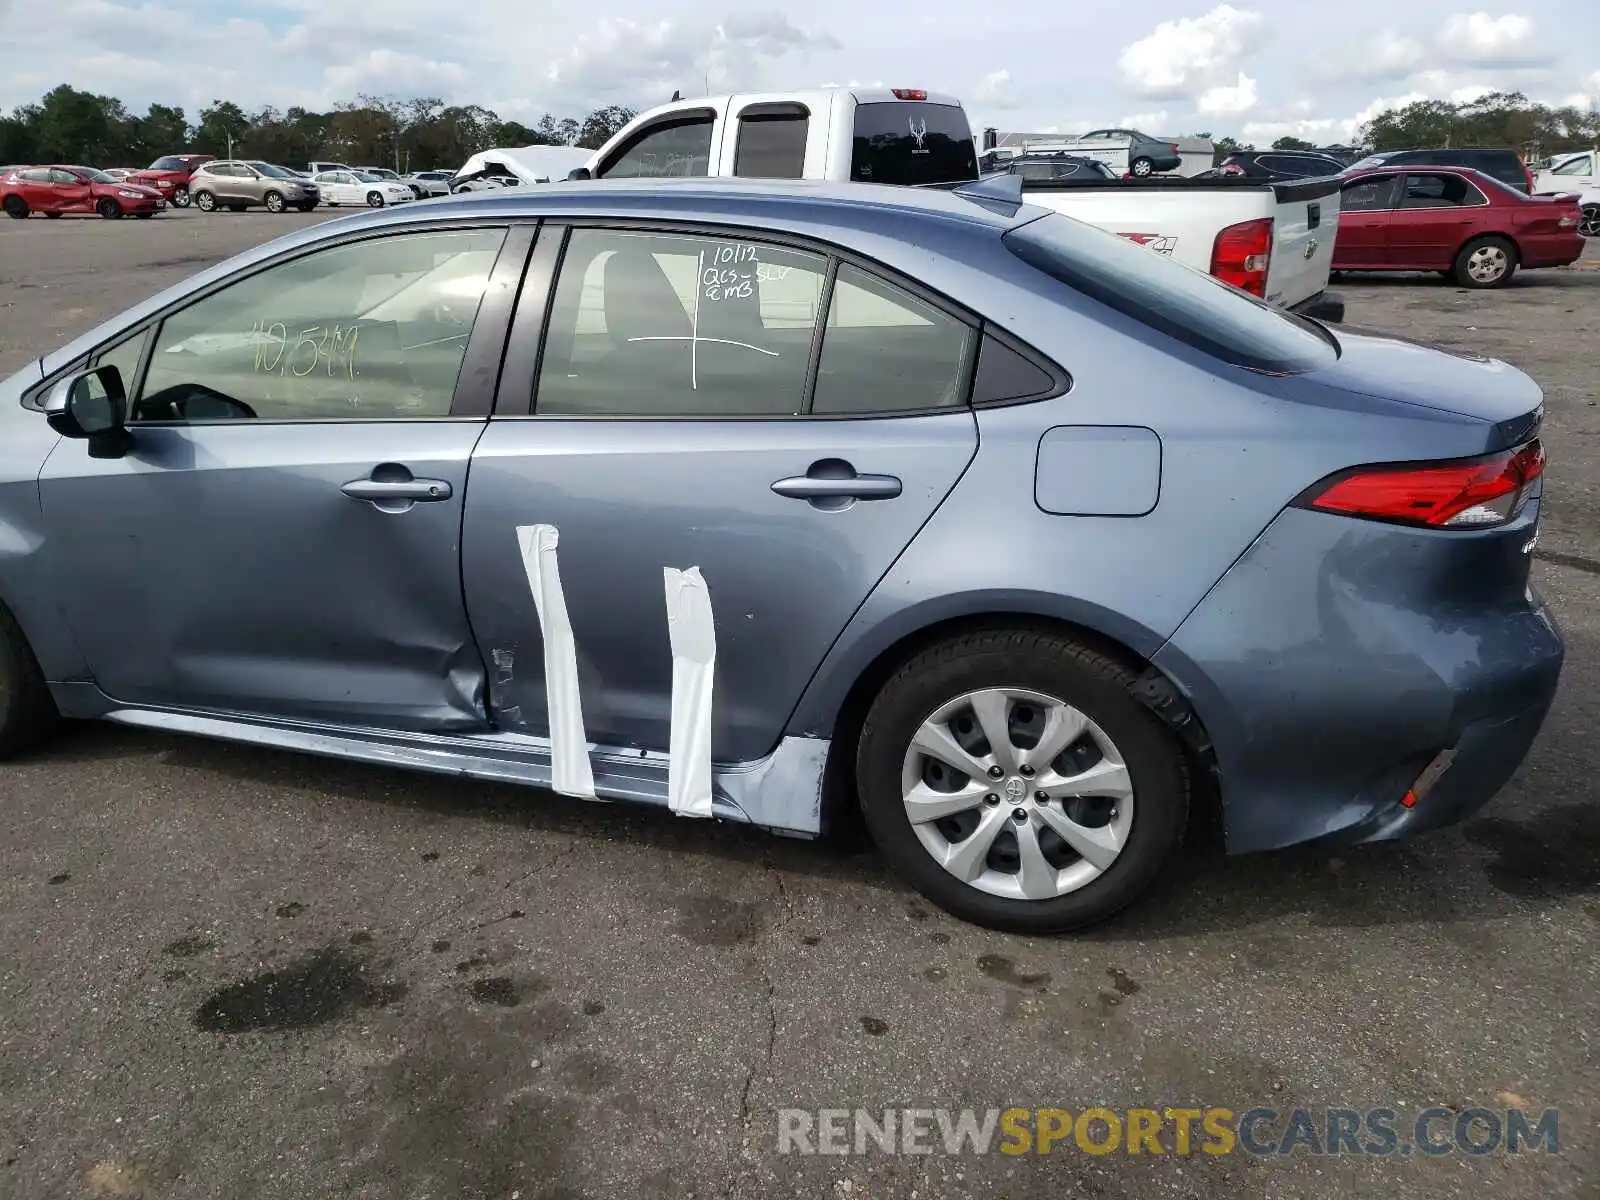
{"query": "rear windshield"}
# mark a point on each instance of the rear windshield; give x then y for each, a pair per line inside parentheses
(1179, 301)
(909, 142)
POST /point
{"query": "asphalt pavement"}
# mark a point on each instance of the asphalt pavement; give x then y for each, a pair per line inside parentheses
(226, 972)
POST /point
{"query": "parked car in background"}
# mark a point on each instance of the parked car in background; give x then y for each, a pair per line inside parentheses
(340, 188)
(1124, 151)
(169, 175)
(119, 173)
(1506, 165)
(1278, 164)
(1058, 167)
(1578, 173)
(1464, 224)
(317, 168)
(511, 166)
(389, 176)
(58, 190)
(430, 183)
(238, 184)
(1308, 592)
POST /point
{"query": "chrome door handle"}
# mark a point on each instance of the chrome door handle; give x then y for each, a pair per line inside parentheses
(850, 487)
(375, 490)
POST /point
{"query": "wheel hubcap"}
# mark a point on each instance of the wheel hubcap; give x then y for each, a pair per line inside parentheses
(1017, 794)
(1486, 264)
(1589, 224)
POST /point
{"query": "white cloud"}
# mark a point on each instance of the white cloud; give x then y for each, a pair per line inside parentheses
(995, 91)
(1229, 100)
(1385, 55)
(1483, 40)
(1186, 57)
(1147, 122)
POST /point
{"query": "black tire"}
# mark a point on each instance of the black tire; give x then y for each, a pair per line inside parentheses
(181, 198)
(1498, 249)
(16, 208)
(27, 711)
(203, 200)
(273, 202)
(1060, 667)
(307, 207)
(1589, 222)
(108, 208)
(374, 199)
(1142, 167)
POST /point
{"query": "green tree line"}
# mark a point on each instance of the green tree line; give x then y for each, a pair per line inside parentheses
(1500, 119)
(68, 125)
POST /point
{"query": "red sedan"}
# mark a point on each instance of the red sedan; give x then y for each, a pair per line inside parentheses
(55, 190)
(1459, 222)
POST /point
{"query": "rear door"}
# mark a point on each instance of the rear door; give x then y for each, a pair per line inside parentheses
(1436, 214)
(773, 137)
(1366, 208)
(673, 426)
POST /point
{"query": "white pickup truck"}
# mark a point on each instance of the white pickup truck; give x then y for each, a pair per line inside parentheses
(1272, 239)
(1575, 174)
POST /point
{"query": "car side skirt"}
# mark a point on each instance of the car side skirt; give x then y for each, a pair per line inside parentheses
(781, 792)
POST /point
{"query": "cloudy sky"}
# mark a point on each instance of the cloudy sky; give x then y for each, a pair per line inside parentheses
(1260, 69)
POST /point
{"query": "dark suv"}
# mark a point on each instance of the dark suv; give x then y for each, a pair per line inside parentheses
(1505, 165)
(1280, 164)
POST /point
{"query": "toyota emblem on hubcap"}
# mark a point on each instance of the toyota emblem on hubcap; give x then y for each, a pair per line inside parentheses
(1016, 789)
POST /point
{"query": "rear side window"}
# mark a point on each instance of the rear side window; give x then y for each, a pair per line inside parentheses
(1176, 300)
(1440, 191)
(772, 145)
(912, 143)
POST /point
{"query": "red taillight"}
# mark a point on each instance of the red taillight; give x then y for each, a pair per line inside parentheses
(909, 94)
(1470, 494)
(1241, 254)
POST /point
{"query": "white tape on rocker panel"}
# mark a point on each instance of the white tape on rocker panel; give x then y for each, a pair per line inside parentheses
(570, 771)
(694, 661)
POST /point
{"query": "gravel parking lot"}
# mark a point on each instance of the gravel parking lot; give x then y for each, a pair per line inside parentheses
(226, 972)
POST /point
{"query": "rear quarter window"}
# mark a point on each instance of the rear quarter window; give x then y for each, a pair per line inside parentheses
(912, 142)
(1176, 300)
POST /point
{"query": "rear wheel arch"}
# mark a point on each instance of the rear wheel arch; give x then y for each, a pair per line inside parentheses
(1153, 688)
(27, 710)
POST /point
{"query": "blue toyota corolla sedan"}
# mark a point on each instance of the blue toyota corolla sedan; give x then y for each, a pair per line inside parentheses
(734, 497)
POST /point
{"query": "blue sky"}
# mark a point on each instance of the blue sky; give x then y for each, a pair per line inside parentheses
(1258, 70)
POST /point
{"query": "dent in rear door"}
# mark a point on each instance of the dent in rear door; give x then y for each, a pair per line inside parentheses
(632, 496)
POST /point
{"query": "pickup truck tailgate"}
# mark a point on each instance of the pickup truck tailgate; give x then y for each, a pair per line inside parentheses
(1305, 223)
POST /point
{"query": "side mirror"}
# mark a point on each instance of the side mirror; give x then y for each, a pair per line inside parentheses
(580, 173)
(92, 406)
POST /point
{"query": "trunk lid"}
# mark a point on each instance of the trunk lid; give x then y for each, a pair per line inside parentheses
(1438, 377)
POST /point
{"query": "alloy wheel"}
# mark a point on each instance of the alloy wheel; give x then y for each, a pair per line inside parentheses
(1017, 794)
(1589, 222)
(180, 198)
(205, 202)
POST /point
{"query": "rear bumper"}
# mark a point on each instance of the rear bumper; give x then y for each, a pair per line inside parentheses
(1339, 659)
(1324, 306)
(1555, 250)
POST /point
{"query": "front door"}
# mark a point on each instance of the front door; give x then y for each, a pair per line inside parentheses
(1366, 209)
(283, 538)
(675, 428)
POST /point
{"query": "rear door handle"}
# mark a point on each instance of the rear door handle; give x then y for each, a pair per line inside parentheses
(833, 479)
(375, 490)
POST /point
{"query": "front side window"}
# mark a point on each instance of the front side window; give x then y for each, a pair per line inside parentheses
(1440, 191)
(912, 143)
(369, 330)
(1188, 305)
(659, 325)
(679, 150)
(125, 358)
(885, 350)
(1367, 195)
(1573, 166)
(772, 147)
